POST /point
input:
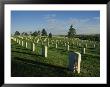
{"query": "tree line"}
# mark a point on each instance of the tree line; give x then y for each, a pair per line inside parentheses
(35, 33)
(95, 37)
(70, 34)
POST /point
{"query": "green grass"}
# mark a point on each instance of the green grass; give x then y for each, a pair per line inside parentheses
(25, 63)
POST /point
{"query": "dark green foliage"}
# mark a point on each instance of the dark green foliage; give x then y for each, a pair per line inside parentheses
(30, 33)
(72, 32)
(35, 33)
(89, 37)
(17, 33)
(24, 33)
(50, 35)
(38, 33)
(44, 32)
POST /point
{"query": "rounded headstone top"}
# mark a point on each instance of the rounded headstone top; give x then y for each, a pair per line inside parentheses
(77, 53)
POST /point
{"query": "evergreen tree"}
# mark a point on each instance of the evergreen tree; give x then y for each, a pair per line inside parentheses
(22, 33)
(39, 33)
(44, 33)
(50, 35)
(30, 33)
(25, 33)
(17, 33)
(35, 33)
(72, 32)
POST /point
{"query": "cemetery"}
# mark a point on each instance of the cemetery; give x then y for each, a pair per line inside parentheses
(55, 56)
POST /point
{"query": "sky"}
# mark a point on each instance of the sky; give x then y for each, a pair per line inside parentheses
(56, 22)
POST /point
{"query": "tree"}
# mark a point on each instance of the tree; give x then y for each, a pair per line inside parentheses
(44, 33)
(50, 35)
(30, 33)
(35, 33)
(17, 33)
(72, 32)
(24, 33)
(39, 33)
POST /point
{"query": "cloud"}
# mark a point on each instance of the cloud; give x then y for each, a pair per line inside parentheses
(82, 26)
(97, 18)
(49, 16)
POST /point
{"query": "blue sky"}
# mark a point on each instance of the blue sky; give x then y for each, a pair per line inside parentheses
(56, 22)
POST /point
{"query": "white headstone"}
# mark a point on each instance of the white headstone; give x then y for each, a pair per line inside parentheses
(74, 61)
(84, 50)
(11, 37)
(56, 45)
(19, 41)
(45, 39)
(78, 61)
(33, 47)
(22, 43)
(65, 44)
(73, 43)
(26, 44)
(44, 51)
(79, 44)
(68, 47)
(94, 45)
(15, 39)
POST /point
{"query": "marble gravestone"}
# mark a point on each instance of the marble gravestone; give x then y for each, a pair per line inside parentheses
(74, 61)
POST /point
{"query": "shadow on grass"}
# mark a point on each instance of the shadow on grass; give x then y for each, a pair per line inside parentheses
(29, 53)
(22, 49)
(22, 67)
(39, 63)
(42, 69)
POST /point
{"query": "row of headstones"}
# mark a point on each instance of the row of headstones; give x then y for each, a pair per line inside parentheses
(68, 46)
(74, 57)
(75, 43)
(64, 43)
(79, 42)
(20, 41)
(57, 43)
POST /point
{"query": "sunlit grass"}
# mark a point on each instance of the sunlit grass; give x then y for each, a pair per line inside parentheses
(31, 64)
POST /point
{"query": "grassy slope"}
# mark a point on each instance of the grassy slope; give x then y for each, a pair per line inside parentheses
(30, 64)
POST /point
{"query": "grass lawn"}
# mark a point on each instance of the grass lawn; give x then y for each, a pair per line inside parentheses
(25, 63)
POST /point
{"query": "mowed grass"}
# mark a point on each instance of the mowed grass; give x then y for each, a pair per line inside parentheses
(26, 63)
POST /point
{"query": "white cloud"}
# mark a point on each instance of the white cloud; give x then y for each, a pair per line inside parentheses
(49, 16)
(82, 26)
(97, 18)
